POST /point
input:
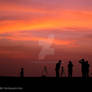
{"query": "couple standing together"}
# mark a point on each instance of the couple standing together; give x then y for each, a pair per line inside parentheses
(58, 66)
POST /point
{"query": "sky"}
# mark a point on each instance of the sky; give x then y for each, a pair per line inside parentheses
(37, 33)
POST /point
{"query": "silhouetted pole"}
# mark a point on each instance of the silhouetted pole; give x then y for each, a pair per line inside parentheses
(22, 73)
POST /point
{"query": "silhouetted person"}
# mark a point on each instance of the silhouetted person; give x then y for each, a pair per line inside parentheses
(58, 68)
(83, 67)
(62, 72)
(45, 71)
(70, 69)
(22, 73)
(87, 69)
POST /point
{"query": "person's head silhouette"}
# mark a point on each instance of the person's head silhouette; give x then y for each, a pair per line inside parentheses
(82, 60)
(70, 62)
(60, 61)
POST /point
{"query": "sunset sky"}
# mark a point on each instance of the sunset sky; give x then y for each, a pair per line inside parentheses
(34, 33)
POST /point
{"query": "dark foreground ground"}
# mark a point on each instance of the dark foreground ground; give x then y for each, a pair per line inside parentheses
(42, 83)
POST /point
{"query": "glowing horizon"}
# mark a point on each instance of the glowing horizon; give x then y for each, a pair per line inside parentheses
(26, 23)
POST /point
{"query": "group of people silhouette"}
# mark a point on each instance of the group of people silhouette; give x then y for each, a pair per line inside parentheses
(84, 68)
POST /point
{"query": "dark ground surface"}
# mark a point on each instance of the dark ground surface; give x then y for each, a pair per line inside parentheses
(43, 83)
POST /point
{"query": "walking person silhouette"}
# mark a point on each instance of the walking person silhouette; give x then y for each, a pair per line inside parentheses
(70, 69)
(58, 65)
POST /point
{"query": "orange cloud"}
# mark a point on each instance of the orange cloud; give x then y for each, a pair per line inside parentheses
(46, 40)
(63, 19)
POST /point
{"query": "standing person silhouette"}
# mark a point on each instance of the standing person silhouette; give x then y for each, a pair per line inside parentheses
(70, 69)
(87, 69)
(22, 73)
(58, 65)
(45, 71)
(83, 67)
